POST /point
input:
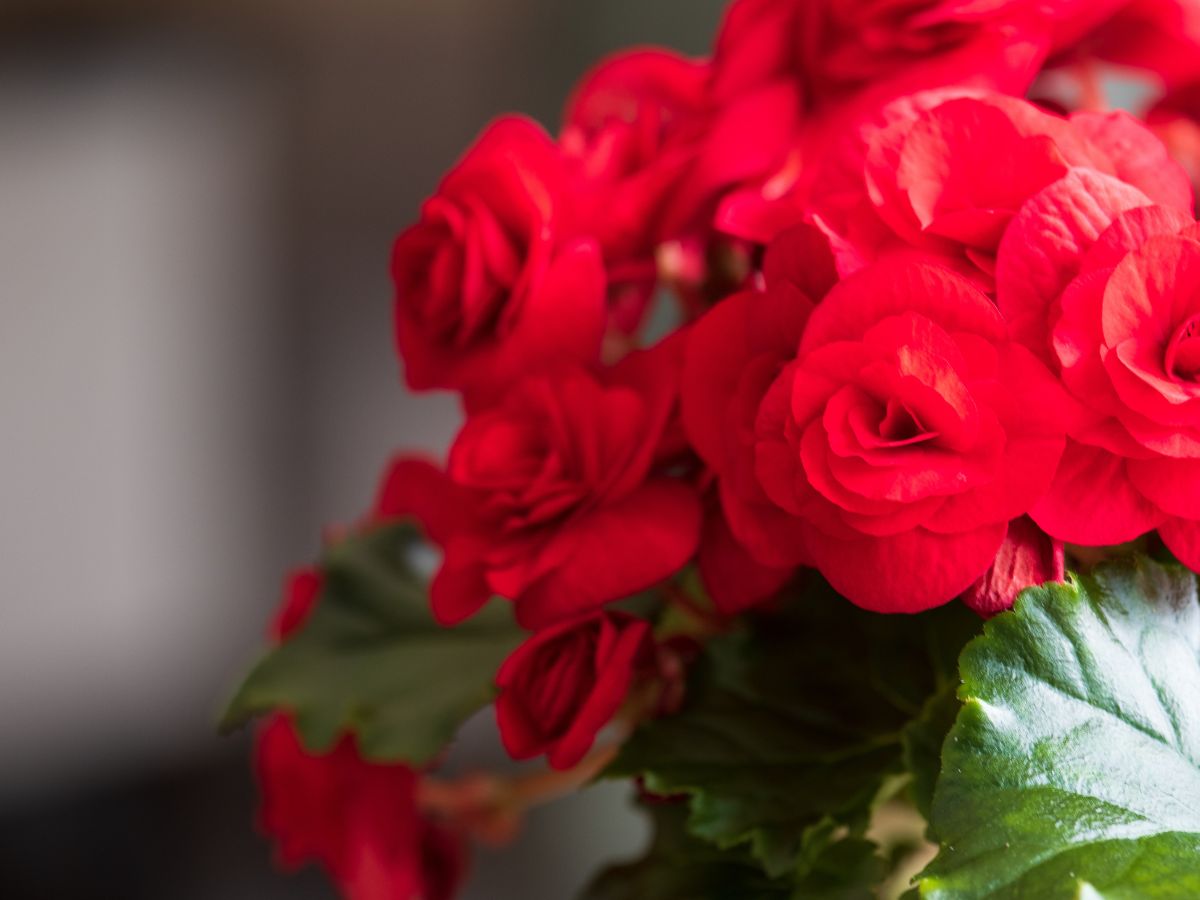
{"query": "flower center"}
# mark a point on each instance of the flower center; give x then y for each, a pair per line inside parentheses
(900, 426)
(1183, 351)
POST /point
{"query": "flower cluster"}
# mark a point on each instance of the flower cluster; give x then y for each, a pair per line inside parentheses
(927, 295)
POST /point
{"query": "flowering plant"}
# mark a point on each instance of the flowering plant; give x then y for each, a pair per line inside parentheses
(782, 371)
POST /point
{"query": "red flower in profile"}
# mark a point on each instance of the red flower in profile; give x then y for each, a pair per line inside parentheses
(494, 280)
(563, 508)
(357, 819)
(559, 688)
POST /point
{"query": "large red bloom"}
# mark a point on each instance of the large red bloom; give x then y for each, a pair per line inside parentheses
(903, 438)
(559, 688)
(1109, 294)
(563, 509)
(946, 171)
(493, 279)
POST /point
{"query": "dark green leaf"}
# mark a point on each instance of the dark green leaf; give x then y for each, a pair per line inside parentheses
(372, 660)
(792, 727)
(848, 869)
(922, 742)
(1074, 767)
(681, 867)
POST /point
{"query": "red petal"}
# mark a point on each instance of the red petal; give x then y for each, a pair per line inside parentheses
(908, 572)
(458, 590)
(614, 675)
(1092, 500)
(716, 353)
(1171, 484)
(415, 487)
(735, 580)
(1139, 158)
(1043, 248)
(1182, 537)
(614, 552)
(890, 288)
(1027, 557)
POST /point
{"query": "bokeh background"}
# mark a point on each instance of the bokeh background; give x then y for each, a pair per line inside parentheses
(197, 200)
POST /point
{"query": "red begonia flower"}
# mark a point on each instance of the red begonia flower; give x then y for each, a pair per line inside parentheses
(495, 278)
(907, 433)
(564, 684)
(946, 171)
(1106, 287)
(563, 506)
(358, 819)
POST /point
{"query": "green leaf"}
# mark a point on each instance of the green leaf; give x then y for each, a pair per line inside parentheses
(681, 867)
(922, 741)
(1074, 767)
(791, 730)
(847, 870)
(372, 660)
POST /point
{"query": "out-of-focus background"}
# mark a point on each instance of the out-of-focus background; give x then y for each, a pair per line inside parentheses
(197, 200)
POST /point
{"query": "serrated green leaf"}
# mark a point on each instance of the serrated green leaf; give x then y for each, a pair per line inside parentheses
(1073, 769)
(677, 866)
(792, 728)
(681, 867)
(372, 660)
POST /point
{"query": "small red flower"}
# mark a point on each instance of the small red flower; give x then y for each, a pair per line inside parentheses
(494, 279)
(563, 508)
(632, 131)
(1027, 557)
(359, 820)
(564, 684)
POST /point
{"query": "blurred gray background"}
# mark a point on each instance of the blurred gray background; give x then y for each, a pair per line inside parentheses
(197, 200)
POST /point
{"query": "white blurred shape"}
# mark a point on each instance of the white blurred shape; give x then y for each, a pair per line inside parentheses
(136, 402)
